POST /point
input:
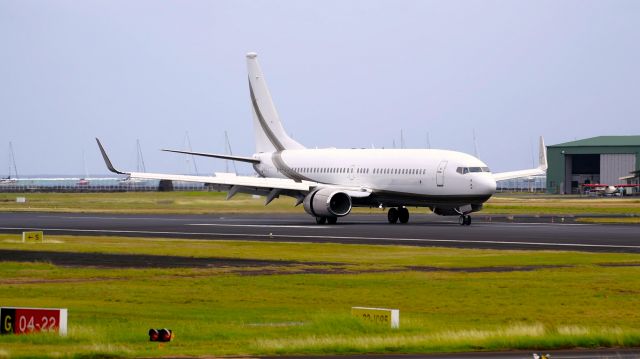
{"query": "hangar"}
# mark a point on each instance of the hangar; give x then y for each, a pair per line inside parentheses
(602, 159)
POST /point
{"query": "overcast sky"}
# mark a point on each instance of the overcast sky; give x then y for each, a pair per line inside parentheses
(342, 74)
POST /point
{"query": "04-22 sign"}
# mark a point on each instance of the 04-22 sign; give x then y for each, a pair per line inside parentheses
(17, 320)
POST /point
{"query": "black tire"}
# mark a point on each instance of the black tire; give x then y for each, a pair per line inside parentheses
(153, 335)
(332, 220)
(403, 215)
(321, 220)
(392, 215)
(467, 220)
(164, 335)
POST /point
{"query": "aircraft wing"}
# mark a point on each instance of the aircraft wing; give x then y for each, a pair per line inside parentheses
(518, 174)
(538, 171)
(230, 179)
(226, 181)
(270, 187)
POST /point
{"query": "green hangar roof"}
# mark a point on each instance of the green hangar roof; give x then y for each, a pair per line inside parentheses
(603, 141)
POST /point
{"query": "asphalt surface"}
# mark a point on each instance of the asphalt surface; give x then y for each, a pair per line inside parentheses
(531, 233)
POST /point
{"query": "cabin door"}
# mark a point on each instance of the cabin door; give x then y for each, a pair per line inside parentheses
(440, 173)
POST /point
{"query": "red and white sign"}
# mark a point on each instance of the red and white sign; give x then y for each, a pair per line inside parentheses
(17, 320)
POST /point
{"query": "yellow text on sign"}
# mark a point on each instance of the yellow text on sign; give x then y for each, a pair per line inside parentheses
(389, 317)
(35, 236)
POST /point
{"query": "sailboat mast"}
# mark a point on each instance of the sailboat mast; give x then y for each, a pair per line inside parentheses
(230, 152)
(12, 160)
(140, 166)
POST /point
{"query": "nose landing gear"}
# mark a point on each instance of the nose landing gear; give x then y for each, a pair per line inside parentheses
(464, 220)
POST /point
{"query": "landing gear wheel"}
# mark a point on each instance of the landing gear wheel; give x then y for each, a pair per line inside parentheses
(332, 220)
(321, 220)
(392, 215)
(464, 220)
(403, 215)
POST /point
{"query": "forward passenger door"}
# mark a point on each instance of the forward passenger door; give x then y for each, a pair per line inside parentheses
(440, 173)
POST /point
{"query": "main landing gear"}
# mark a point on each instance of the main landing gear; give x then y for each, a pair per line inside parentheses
(464, 220)
(323, 220)
(398, 214)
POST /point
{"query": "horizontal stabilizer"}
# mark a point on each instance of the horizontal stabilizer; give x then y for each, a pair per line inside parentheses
(215, 155)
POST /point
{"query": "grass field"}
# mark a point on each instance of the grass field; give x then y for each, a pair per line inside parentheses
(214, 202)
(449, 299)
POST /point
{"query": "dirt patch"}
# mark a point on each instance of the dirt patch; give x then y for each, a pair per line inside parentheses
(108, 260)
(16, 281)
(631, 264)
(485, 269)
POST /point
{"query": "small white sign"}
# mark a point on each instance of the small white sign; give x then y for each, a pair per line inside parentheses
(378, 315)
(21, 199)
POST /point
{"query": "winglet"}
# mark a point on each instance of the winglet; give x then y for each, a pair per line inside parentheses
(542, 159)
(106, 159)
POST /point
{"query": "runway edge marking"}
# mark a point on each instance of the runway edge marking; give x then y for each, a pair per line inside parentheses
(426, 240)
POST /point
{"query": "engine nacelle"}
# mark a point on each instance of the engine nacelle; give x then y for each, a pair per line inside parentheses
(327, 202)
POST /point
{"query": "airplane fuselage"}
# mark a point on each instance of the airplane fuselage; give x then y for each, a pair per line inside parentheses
(397, 177)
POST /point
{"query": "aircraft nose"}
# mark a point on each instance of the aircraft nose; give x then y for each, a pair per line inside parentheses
(485, 184)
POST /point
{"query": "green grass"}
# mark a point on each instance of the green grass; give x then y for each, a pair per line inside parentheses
(505, 204)
(304, 308)
(215, 203)
(619, 220)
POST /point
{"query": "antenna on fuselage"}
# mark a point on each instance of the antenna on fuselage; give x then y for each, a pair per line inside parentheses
(428, 141)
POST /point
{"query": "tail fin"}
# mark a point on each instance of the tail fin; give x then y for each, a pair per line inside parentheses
(542, 155)
(269, 133)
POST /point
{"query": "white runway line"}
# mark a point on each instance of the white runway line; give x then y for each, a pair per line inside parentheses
(261, 225)
(213, 218)
(291, 236)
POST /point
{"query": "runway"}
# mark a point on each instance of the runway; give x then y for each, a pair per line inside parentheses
(423, 230)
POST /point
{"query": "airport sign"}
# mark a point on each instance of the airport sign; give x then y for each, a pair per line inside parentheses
(16, 320)
(390, 317)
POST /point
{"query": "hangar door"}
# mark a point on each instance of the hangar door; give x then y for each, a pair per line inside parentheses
(614, 166)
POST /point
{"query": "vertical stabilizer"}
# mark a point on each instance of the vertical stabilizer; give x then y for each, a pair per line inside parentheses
(269, 133)
(542, 155)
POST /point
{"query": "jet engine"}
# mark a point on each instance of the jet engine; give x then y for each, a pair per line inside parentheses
(327, 202)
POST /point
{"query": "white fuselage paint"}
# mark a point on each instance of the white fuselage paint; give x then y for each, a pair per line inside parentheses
(405, 172)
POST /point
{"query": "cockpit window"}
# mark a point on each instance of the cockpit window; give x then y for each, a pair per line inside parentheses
(465, 170)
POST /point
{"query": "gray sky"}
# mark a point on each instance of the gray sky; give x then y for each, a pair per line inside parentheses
(342, 73)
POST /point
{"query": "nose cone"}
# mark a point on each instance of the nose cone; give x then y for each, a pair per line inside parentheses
(485, 184)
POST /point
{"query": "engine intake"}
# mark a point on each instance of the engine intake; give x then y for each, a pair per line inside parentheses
(327, 202)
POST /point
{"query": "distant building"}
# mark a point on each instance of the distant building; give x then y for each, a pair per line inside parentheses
(603, 159)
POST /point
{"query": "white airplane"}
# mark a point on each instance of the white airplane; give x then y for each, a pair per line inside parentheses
(330, 182)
